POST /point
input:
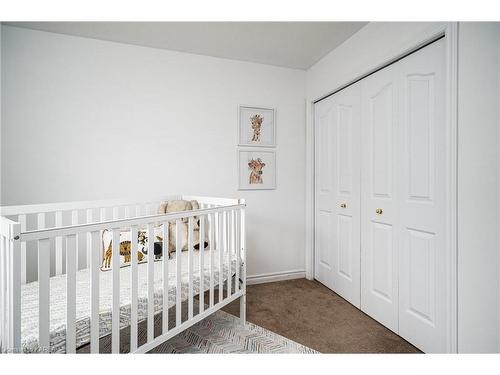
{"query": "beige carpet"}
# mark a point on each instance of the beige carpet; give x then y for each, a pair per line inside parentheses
(311, 314)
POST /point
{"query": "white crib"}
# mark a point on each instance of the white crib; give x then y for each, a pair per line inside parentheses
(55, 297)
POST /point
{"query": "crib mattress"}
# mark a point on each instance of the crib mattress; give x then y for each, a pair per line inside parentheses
(29, 303)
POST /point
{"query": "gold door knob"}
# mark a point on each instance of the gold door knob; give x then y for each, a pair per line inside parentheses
(379, 211)
(343, 205)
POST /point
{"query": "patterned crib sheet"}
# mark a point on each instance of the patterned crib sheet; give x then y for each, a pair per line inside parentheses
(29, 303)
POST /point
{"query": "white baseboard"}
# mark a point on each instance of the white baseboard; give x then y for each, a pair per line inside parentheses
(276, 276)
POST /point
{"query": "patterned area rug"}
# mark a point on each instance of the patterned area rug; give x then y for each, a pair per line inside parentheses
(218, 333)
(222, 333)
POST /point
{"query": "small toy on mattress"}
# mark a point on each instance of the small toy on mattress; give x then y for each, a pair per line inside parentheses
(143, 241)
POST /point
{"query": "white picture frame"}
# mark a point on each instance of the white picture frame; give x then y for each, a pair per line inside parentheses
(264, 161)
(256, 126)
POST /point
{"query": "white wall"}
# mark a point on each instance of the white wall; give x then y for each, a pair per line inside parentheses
(88, 119)
(478, 187)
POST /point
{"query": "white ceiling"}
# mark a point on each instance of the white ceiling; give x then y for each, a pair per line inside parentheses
(290, 44)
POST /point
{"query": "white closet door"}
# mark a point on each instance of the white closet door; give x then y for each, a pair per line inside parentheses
(381, 169)
(338, 193)
(379, 213)
(346, 189)
(422, 190)
(324, 216)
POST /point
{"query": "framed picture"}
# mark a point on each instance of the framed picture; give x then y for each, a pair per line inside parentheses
(257, 127)
(257, 169)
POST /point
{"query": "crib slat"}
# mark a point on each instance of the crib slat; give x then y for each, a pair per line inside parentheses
(3, 341)
(90, 219)
(44, 294)
(211, 244)
(243, 253)
(178, 272)
(151, 280)
(116, 213)
(15, 288)
(10, 314)
(237, 251)
(133, 284)
(70, 293)
(95, 263)
(229, 231)
(115, 324)
(41, 220)
(190, 268)
(165, 278)
(102, 214)
(220, 244)
(74, 217)
(216, 233)
(3, 286)
(59, 244)
(201, 242)
(5, 257)
(75, 221)
(22, 220)
(4, 274)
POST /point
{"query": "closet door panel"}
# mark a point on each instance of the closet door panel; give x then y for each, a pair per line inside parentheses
(345, 248)
(324, 246)
(346, 275)
(344, 148)
(324, 178)
(381, 118)
(422, 188)
(379, 245)
(337, 247)
(382, 261)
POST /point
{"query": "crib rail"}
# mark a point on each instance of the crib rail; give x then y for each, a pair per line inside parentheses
(120, 223)
(82, 205)
(56, 215)
(41, 216)
(10, 286)
(222, 225)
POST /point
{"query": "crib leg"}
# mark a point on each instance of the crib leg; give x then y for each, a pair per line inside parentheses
(243, 308)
